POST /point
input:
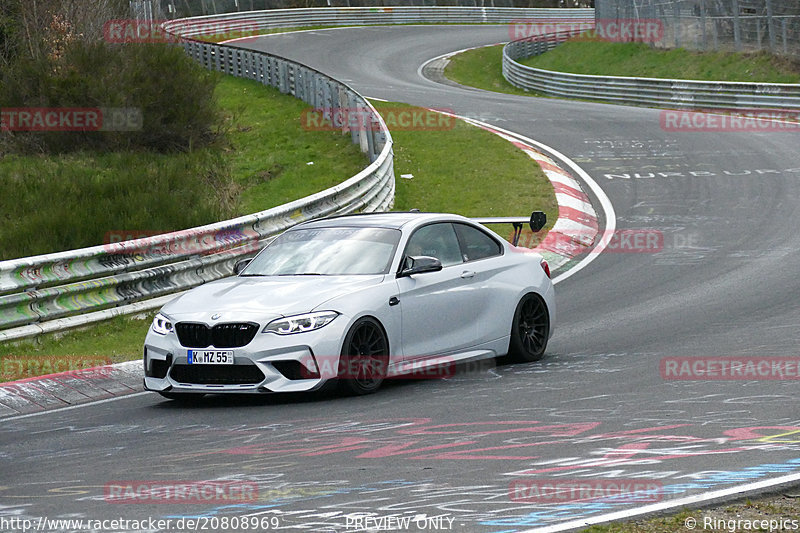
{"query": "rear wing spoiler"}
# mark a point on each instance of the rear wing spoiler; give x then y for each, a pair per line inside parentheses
(536, 221)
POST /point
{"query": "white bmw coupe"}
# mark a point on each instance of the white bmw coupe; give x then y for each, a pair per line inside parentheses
(354, 300)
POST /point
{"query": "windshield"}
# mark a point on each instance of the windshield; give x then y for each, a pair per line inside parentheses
(327, 251)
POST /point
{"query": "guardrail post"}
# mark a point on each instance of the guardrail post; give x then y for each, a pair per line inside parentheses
(703, 39)
(344, 103)
(283, 73)
(362, 130)
(676, 25)
(784, 35)
(771, 26)
(370, 125)
(737, 27)
(238, 62)
(217, 58)
(299, 84)
(261, 68)
(272, 72)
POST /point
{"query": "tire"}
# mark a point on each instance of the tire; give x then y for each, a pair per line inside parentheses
(530, 329)
(364, 358)
(182, 396)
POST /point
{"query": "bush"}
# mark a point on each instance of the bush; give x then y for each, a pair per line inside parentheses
(173, 95)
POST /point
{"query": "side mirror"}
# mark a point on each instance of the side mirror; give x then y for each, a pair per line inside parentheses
(240, 265)
(538, 221)
(419, 265)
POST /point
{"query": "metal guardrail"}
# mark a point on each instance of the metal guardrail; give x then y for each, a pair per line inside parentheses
(675, 94)
(55, 291)
(363, 16)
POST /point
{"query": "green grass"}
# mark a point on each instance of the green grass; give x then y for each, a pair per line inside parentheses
(111, 341)
(51, 203)
(781, 506)
(271, 150)
(640, 60)
(465, 170)
(481, 68)
(54, 203)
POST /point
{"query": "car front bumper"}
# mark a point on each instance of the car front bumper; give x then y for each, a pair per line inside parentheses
(269, 363)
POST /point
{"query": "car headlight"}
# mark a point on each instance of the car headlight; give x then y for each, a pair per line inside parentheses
(300, 323)
(162, 325)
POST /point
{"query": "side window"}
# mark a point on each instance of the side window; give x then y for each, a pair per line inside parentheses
(436, 240)
(475, 244)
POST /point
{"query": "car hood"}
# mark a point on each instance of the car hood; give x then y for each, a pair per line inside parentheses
(262, 298)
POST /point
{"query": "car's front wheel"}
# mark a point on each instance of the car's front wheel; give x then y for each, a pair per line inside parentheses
(364, 357)
(530, 329)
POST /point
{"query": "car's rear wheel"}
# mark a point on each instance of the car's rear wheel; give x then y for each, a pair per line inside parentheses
(530, 329)
(364, 357)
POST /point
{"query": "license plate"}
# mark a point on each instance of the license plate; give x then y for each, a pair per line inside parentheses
(210, 357)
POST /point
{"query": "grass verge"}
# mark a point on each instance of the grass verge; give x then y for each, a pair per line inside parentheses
(481, 68)
(262, 159)
(466, 170)
(460, 169)
(112, 341)
(273, 157)
(746, 515)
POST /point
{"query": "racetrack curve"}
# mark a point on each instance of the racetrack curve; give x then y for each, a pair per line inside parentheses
(596, 408)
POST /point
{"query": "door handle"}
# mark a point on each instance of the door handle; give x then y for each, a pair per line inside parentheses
(467, 274)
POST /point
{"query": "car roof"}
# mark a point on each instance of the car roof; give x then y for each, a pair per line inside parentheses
(393, 219)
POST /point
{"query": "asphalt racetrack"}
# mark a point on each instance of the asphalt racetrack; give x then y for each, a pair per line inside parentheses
(477, 452)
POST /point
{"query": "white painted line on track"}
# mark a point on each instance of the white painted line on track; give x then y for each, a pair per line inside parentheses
(663, 506)
(71, 407)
